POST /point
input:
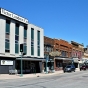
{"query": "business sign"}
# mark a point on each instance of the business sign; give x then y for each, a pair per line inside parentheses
(6, 62)
(67, 61)
(13, 16)
(56, 53)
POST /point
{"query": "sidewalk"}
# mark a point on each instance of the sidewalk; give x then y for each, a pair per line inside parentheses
(7, 76)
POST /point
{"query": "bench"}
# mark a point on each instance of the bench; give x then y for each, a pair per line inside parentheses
(12, 71)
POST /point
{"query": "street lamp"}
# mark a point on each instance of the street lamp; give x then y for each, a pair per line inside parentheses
(21, 65)
(21, 50)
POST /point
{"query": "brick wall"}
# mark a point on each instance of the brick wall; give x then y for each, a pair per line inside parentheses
(62, 45)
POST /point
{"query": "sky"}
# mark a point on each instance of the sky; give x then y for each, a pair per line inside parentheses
(60, 19)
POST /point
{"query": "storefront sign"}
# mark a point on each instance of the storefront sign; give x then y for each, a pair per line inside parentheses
(6, 62)
(67, 61)
(13, 16)
(56, 53)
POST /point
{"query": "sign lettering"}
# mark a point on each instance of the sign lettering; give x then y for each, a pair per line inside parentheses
(13, 16)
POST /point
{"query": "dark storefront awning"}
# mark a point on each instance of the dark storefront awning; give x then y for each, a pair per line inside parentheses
(65, 60)
(59, 58)
(30, 59)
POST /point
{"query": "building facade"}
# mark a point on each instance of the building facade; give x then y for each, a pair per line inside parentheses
(65, 48)
(85, 56)
(77, 52)
(16, 30)
(48, 47)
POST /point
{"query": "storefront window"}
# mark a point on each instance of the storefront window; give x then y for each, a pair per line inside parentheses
(58, 64)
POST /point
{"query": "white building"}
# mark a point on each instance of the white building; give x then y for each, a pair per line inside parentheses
(15, 30)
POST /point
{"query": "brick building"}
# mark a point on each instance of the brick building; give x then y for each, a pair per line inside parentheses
(77, 52)
(85, 56)
(66, 51)
(48, 47)
(62, 46)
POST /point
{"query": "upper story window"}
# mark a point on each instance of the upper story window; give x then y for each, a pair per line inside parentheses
(48, 49)
(32, 41)
(63, 53)
(38, 43)
(25, 31)
(70, 54)
(8, 26)
(17, 29)
(38, 33)
(16, 38)
(17, 32)
(25, 39)
(7, 36)
(32, 34)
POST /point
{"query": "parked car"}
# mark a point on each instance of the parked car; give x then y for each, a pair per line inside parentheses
(69, 68)
(83, 67)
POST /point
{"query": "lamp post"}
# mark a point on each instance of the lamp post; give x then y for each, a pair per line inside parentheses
(21, 50)
(21, 66)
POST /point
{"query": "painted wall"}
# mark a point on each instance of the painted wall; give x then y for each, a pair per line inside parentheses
(21, 34)
(2, 35)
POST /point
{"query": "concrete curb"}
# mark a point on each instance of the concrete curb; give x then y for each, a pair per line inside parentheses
(7, 76)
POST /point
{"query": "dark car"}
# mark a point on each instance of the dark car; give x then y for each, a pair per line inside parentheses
(69, 68)
(83, 67)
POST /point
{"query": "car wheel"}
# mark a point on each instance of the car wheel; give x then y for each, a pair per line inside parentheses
(74, 70)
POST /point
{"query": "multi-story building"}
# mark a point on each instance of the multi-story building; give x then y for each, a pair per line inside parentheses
(16, 30)
(77, 52)
(48, 47)
(58, 45)
(65, 48)
(85, 56)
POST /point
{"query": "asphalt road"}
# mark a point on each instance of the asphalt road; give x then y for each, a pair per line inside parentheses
(77, 79)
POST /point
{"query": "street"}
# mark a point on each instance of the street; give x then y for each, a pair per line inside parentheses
(77, 79)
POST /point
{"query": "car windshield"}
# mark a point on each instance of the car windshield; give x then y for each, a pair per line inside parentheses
(68, 67)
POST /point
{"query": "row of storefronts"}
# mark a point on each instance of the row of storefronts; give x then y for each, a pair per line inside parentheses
(16, 30)
(70, 53)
